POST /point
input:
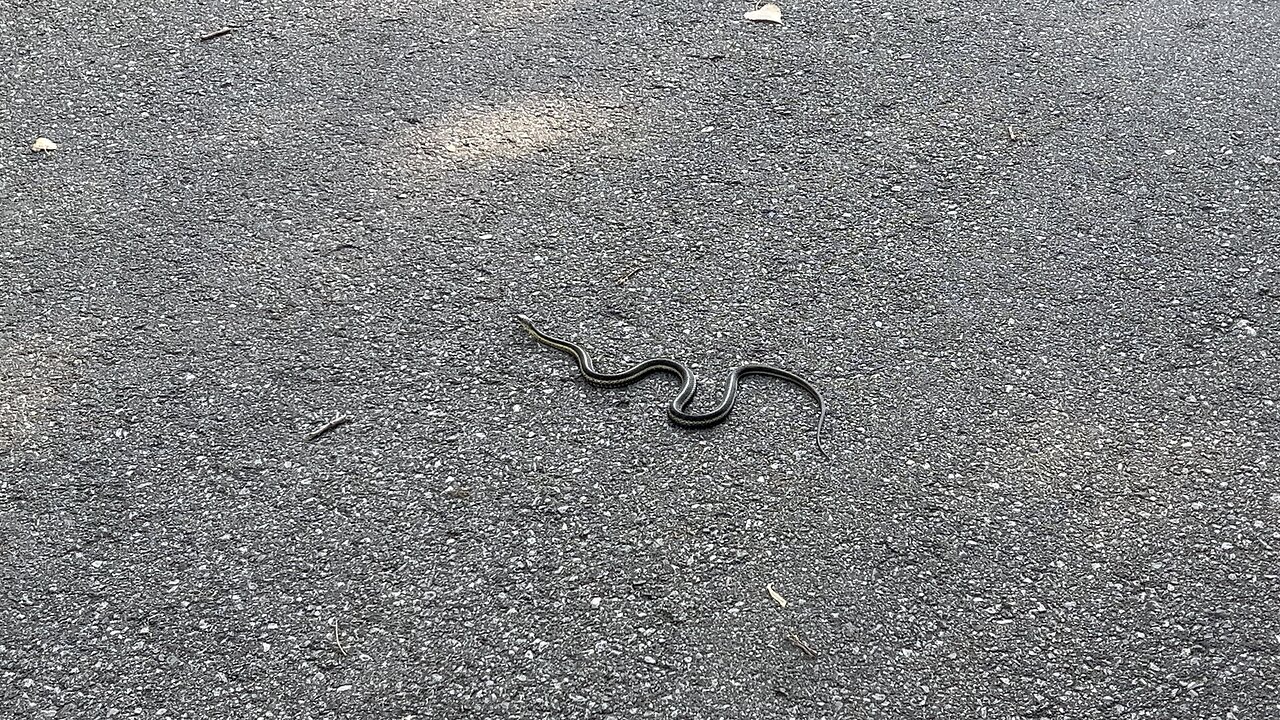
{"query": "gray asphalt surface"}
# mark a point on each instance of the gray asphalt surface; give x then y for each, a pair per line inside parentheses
(1030, 255)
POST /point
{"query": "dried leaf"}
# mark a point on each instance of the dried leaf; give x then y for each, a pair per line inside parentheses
(766, 13)
(782, 602)
(43, 144)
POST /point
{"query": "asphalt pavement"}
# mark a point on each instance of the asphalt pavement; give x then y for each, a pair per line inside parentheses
(1029, 252)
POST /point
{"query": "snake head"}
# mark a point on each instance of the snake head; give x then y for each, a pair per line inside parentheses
(525, 322)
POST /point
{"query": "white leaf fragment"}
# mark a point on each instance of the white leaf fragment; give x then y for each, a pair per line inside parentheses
(765, 13)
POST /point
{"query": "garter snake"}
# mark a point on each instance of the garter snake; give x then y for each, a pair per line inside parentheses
(678, 411)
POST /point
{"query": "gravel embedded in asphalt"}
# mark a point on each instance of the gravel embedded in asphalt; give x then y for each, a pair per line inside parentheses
(1031, 256)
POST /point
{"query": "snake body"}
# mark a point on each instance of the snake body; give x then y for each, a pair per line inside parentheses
(678, 411)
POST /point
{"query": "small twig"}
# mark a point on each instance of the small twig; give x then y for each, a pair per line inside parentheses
(1011, 135)
(332, 424)
(802, 646)
(337, 637)
(216, 34)
(622, 280)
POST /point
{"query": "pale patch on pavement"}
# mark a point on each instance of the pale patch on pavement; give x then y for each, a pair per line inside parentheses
(473, 136)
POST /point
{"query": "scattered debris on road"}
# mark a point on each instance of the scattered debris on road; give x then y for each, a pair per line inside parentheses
(215, 34)
(765, 13)
(802, 646)
(333, 424)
